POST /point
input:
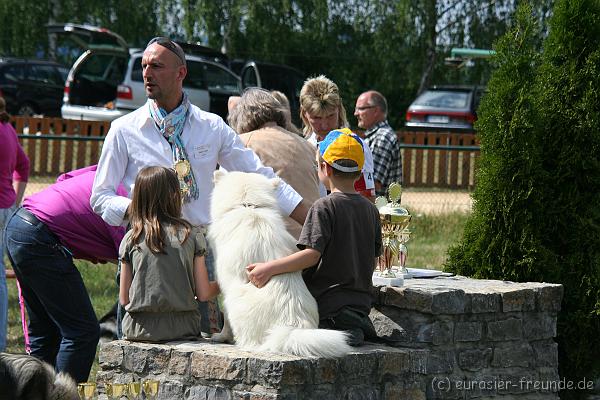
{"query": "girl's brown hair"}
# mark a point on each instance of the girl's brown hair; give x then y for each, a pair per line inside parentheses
(156, 201)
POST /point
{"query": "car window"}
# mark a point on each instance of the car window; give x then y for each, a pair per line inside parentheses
(443, 99)
(44, 74)
(103, 67)
(220, 79)
(63, 72)
(249, 77)
(195, 75)
(136, 70)
(12, 73)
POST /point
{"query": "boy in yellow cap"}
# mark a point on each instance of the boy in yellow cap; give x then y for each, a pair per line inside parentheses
(339, 243)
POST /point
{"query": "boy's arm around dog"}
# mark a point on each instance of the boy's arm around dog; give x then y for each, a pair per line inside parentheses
(260, 273)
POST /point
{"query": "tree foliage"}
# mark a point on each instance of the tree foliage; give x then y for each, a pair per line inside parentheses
(396, 47)
(536, 214)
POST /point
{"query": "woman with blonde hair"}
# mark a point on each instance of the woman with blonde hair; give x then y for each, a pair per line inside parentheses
(322, 110)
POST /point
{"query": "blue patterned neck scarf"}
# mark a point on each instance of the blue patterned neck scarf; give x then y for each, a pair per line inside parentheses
(170, 126)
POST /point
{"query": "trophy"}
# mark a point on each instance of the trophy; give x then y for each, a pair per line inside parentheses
(394, 232)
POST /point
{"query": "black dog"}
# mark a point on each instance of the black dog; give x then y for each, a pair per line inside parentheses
(24, 377)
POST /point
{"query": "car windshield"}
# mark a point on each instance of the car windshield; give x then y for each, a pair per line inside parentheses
(443, 99)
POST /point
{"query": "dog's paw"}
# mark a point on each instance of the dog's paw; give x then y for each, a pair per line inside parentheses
(222, 337)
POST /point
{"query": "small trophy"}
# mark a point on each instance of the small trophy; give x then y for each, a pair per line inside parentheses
(394, 232)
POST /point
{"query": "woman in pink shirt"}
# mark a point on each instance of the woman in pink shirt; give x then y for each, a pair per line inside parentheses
(14, 172)
(52, 228)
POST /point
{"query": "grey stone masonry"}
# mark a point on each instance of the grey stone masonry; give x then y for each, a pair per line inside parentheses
(447, 338)
(484, 338)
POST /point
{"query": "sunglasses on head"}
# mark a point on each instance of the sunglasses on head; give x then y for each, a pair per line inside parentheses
(170, 45)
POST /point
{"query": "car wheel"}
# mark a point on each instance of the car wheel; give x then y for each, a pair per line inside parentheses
(27, 110)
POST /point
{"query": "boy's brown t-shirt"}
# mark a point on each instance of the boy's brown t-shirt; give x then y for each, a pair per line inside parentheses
(346, 230)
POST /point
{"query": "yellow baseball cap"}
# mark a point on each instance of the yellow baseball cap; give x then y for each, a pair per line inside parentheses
(342, 144)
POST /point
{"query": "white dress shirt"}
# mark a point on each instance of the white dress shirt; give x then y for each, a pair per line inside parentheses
(134, 142)
(368, 167)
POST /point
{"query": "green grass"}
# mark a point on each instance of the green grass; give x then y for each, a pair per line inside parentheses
(431, 236)
(101, 285)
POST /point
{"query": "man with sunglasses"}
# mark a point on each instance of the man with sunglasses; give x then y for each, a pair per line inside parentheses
(170, 131)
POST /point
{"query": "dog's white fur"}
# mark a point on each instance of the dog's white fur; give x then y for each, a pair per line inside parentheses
(25, 377)
(247, 228)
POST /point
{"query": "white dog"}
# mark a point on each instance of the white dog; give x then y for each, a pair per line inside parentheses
(246, 228)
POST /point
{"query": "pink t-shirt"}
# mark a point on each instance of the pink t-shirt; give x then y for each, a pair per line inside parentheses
(65, 208)
(14, 164)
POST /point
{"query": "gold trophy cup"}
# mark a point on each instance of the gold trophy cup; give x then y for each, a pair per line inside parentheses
(394, 232)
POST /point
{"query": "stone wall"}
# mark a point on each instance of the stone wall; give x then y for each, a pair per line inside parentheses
(449, 338)
(484, 338)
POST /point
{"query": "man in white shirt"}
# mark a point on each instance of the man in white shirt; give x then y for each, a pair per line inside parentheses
(322, 111)
(171, 132)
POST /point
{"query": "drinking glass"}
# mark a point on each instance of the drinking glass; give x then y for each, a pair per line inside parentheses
(134, 390)
(86, 390)
(116, 390)
(151, 388)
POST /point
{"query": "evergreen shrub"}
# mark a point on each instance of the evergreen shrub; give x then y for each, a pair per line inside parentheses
(536, 214)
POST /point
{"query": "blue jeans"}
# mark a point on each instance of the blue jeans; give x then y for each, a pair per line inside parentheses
(63, 328)
(5, 214)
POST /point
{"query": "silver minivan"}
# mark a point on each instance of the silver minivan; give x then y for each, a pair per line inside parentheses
(106, 82)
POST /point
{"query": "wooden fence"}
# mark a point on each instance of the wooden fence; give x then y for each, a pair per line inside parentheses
(439, 159)
(430, 159)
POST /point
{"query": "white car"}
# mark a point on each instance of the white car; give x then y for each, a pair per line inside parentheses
(105, 82)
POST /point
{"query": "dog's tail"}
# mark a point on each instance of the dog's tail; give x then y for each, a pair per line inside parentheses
(64, 388)
(307, 342)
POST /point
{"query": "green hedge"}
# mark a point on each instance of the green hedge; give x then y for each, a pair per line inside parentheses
(536, 213)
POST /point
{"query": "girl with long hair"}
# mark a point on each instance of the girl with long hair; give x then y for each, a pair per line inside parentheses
(163, 273)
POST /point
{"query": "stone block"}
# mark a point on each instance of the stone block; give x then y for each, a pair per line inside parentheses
(359, 393)
(386, 328)
(211, 366)
(209, 392)
(135, 358)
(418, 361)
(391, 391)
(449, 302)
(485, 302)
(518, 300)
(276, 373)
(549, 297)
(171, 390)
(179, 364)
(475, 359)
(539, 326)
(467, 331)
(439, 362)
(110, 355)
(507, 329)
(358, 368)
(520, 355)
(442, 332)
(517, 382)
(325, 370)
(158, 359)
(546, 354)
(408, 299)
(424, 333)
(393, 364)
